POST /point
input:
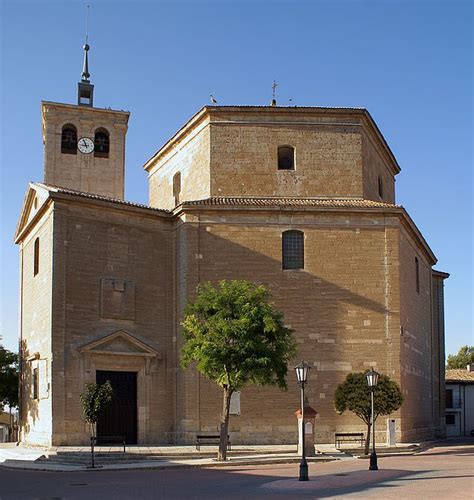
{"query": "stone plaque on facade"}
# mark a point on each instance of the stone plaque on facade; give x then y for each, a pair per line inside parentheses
(117, 298)
(235, 403)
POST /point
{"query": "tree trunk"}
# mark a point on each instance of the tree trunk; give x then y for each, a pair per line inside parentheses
(367, 439)
(10, 433)
(224, 430)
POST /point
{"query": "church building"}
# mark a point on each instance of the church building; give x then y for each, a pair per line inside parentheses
(300, 199)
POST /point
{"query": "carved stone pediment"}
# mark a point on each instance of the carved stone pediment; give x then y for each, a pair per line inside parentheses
(120, 343)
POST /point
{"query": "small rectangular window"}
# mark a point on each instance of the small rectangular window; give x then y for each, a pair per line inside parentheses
(449, 398)
(417, 274)
(286, 158)
(35, 383)
(450, 419)
(36, 256)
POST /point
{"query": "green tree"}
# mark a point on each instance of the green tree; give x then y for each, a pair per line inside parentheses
(94, 400)
(354, 395)
(464, 357)
(236, 338)
(9, 380)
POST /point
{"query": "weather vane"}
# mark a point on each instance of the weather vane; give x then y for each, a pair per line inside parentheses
(87, 21)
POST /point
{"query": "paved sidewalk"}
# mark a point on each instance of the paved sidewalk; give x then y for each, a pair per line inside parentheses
(78, 458)
(151, 457)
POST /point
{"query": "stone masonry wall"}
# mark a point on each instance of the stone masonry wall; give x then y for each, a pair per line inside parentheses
(94, 244)
(374, 166)
(415, 343)
(244, 160)
(343, 307)
(189, 158)
(35, 314)
(84, 172)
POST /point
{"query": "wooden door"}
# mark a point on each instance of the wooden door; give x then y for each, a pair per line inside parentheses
(120, 416)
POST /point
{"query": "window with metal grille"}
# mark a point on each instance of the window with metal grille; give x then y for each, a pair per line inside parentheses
(293, 250)
(286, 158)
(69, 140)
(101, 143)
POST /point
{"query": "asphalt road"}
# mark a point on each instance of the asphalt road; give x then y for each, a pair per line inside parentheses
(441, 472)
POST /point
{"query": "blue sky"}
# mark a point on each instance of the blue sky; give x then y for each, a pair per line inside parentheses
(408, 62)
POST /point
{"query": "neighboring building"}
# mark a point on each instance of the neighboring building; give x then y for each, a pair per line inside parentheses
(7, 424)
(460, 402)
(300, 199)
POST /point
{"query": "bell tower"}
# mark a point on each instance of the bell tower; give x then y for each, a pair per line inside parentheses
(84, 146)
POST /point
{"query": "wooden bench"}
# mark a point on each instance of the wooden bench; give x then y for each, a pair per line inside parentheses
(212, 438)
(348, 437)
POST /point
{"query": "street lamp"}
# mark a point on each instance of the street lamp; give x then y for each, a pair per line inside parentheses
(372, 379)
(302, 377)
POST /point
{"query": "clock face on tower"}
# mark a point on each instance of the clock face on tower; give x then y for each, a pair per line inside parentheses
(85, 145)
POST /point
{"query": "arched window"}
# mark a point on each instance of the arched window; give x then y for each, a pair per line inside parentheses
(36, 257)
(101, 143)
(292, 250)
(417, 274)
(69, 140)
(176, 187)
(286, 158)
(380, 187)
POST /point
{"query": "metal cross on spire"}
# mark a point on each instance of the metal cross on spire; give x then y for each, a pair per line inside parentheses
(274, 87)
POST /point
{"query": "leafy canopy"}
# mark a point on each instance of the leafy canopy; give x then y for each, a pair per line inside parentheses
(9, 378)
(464, 357)
(236, 337)
(354, 395)
(94, 399)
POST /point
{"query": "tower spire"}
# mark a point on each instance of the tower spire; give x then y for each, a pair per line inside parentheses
(85, 90)
(85, 66)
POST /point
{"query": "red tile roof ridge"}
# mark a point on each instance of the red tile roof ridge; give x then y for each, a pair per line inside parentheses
(291, 201)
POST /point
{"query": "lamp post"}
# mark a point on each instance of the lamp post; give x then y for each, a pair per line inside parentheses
(372, 379)
(302, 377)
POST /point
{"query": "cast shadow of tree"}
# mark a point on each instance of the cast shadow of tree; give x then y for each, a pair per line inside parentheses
(318, 311)
(29, 407)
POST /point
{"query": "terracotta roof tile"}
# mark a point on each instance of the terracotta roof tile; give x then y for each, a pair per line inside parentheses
(460, 375)
(291, 202)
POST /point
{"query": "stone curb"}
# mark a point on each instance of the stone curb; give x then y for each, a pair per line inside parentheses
(38, 466)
